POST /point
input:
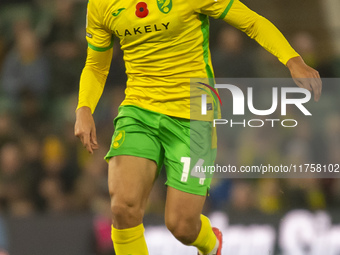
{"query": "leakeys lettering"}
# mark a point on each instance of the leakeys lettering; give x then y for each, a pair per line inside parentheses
(143, 29)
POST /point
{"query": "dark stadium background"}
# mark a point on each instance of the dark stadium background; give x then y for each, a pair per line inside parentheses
(53, 194)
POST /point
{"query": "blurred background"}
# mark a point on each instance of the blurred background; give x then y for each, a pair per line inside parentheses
(53, 194)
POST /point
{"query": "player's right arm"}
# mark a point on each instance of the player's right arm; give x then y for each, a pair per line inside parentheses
(91, 86)
(266, 34)
(93, 77)
(270, 38)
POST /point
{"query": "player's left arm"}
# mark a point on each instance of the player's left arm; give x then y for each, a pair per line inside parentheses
(270, 38)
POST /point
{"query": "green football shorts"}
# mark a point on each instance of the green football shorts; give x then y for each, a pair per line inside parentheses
(183, 146)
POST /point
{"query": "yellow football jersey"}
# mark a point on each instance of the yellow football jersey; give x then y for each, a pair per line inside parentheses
(166, 45)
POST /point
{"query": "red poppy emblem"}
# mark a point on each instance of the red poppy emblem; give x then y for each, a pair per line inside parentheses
(142, 10)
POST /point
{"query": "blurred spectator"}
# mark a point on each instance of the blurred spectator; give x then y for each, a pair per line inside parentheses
(93, 181)
(30, 115)
(65, 50)
(25, 67)
(55, 198)
(56, 163)
(331, 155)
(304, 194)
(14, 181)
(2, 48)
(299, 148)
(220, 194)
(15, 1)
(332, 137)
(304, 44)
(231, 58)
(243, 197)
(256, 146)
(268, 193)
(31, 153)
(8, 128)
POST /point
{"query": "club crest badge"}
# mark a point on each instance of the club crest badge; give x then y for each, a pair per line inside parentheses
(118, 140)
(164, 6)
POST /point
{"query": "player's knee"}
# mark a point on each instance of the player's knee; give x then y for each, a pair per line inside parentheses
(126, 214)
(183, 230)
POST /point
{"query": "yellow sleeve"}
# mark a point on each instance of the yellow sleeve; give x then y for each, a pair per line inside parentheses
(98, 36)
(260, 29)
(93, 77)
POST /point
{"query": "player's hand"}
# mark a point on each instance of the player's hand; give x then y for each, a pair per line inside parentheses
(305, 77)
(85, 129)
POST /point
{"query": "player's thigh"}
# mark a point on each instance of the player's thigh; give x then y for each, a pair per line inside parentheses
(130, 180)
(135, 156)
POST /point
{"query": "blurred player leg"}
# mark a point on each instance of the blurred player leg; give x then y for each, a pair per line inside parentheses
(130, 182)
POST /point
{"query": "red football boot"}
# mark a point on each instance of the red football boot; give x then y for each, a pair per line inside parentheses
(218, 234)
